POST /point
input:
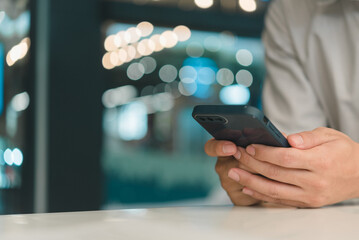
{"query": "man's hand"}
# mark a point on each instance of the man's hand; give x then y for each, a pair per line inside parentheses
(225, 150)
(321, 168)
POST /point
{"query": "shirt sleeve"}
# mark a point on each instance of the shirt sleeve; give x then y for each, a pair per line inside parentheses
(288, 98)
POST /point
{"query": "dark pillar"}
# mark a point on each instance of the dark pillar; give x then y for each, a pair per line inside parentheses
(69, 145)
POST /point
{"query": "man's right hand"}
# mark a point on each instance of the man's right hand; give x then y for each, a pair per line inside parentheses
(227, 152)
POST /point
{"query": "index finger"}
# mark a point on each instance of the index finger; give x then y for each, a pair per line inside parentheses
(220, 148)
(284, 157)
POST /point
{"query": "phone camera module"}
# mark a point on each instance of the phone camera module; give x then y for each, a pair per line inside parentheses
(211, 119)
(218, 119)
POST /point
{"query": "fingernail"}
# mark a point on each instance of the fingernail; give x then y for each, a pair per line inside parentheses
(297, 139)
(251, 150)
(229, 148)
(233, 175)
(247, 191)
(238, 154)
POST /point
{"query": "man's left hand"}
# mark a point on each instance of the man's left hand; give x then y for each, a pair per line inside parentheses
(321, 168)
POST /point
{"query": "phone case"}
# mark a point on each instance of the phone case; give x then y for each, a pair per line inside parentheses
(243, 125)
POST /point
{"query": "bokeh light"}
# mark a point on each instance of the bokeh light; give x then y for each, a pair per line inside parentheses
(248, 5)
(212, 44)
(183, 33)
(227, 38)
(13, 157)
(187, 88)
(244, 57)
(135, 71)
(206, 76)
(8, 157)
(149, 64)
(106, 61)
(188, 80)
(145, 28)
(17, 157)
(146, 47)
(114, 58)
(204, 3)
(159, 88)
(132, 121)
(235, 95)
(195, 49)
(225, 77)
(132, 35)
(148, 90)
(156, 40)
(201, 71)
(118, 41)
(168, 73)
(18, 52)
(122, 55)
(118, 96)
(244, 78)
(20, 102)
(131, 52)
(188, 72)
(168, 39)
(174, 89)
(110, 43)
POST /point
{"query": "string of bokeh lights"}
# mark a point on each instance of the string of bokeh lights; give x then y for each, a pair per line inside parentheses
(131, 44)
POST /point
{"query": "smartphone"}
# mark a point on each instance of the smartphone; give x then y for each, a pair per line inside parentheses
(243, 125)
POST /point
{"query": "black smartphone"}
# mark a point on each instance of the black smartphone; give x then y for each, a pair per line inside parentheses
(243, 125)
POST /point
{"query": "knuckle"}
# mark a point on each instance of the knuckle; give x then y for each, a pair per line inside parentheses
(272, 171)
(327, 132)
(247, 181)
(287, 157)
(245, 159)
(273, 193)
(345, 145)
(320, 185)
(324, 163)
(323, 130)
(241, 166)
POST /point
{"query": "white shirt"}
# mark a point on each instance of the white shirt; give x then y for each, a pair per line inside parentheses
(312, 57)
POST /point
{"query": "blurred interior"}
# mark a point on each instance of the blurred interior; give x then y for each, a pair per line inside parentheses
(96, 99)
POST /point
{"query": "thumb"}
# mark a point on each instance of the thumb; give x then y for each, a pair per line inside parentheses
(310, 139)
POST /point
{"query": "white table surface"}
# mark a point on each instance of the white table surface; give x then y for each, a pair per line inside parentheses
(262, 222)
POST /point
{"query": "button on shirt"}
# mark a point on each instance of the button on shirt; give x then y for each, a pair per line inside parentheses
(312, 58)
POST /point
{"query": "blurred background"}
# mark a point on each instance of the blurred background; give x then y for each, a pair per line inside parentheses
(96, 99)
